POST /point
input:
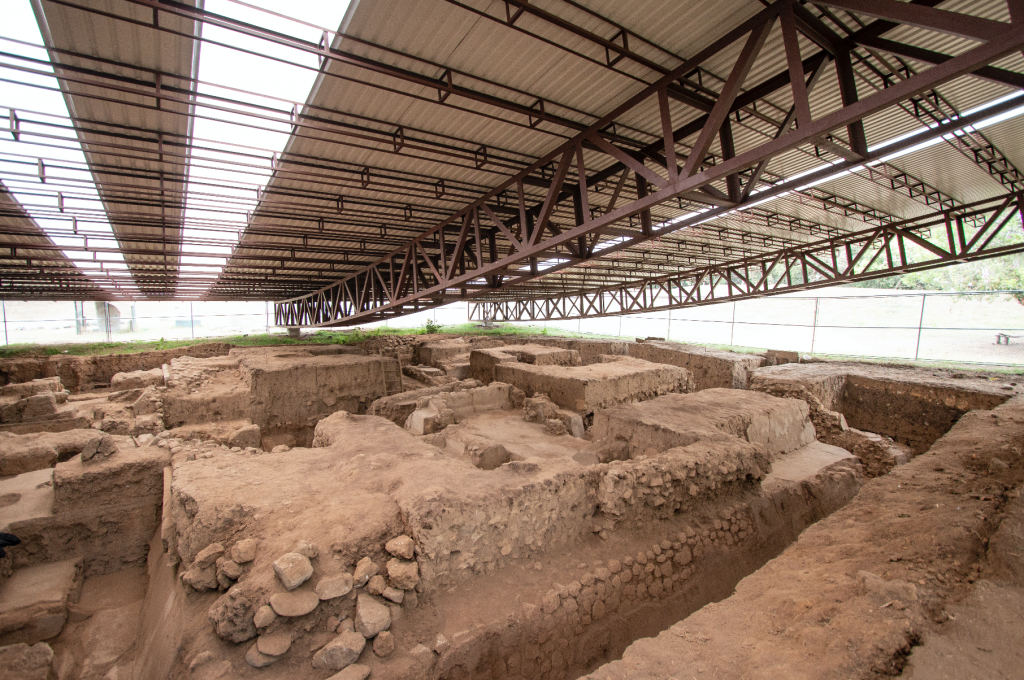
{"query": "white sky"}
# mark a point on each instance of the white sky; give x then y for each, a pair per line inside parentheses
(280, 86)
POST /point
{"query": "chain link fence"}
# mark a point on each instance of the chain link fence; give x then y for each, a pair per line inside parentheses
(69, 322)
(982, 328)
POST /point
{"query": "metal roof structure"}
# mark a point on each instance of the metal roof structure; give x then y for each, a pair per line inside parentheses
(541, 158)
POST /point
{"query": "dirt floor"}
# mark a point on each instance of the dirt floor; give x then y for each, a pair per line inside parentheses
(507, 507)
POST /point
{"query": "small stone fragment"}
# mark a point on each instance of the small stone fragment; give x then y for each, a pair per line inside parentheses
(208, 555)
(265, 616)
(365, 568)
(295, 603)
(376, 585)
(274, 644)
(231, 616)
(441, 644)
(293, 569)
(244, 551)
(347, 624)
(394, 594)
(403, 575)
(257, 659)
(205, 656)
(342, 651)
(229, 568)
(330, 587)
(401, 546)
(371, 616)
(200, 580)
(353, 672)
(384, 643)
(306, 548)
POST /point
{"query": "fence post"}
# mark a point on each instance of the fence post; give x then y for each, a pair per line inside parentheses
(920, 323)
(668, 331)
(4, 304)
(732, 328)
(814, 328)
(191, 320)
(620, 325)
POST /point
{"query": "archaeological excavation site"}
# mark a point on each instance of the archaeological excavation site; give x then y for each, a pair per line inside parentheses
(399, 339)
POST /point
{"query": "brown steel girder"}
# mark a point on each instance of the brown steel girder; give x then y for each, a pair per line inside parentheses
(427, 267)
(864, 255)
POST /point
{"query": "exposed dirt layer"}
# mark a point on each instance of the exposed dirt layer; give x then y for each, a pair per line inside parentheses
(861, 589)
(513, 507)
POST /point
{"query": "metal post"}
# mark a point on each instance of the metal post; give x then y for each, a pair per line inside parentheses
(814, 329)
(732, 330)
(4, 305)
(920, 323)
(266, 306)
(668, 331)
(620, 325)
(191, 321)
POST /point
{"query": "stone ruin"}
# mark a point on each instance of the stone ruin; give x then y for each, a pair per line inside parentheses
(521, 507)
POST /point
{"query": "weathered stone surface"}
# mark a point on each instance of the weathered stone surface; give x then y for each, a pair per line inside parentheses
(293, 569)
(274, 644)
(294, 603)
(228, 568)
(24, 662)
(401, 547)
(34, 601)
(376, 585)
(232, 617)
(265, 616)
(330, 587)
(394, 594)
(365, 568)
(244, 551)
(343, 651)
(403, 575)
(353, 672)
(384, 643)
(246, 437)
(255, 658)
(208, 555)
(306, 548)
(200, 579)
(371, 616)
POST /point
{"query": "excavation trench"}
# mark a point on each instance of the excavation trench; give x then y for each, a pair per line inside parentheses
(522, 509)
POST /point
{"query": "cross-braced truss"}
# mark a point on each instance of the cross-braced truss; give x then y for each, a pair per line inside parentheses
(556, 149)
(962, 235)
(492, 247)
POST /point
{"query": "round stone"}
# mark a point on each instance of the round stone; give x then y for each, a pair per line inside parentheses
(295, 603)
(257, 659)
(330, 587)
(274, 644)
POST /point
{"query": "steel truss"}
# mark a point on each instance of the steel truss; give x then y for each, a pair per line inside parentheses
(868, 254)
(497, 241)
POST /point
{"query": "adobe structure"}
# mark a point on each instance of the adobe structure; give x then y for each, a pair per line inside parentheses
(515, 507)
(504, 506)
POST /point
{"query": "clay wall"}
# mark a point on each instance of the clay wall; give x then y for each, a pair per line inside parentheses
(80, 373)
(104, 513)
(876, 576)
(710, 368)
(584, 389)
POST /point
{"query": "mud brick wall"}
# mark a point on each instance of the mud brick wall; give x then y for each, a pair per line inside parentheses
(709, 368)
(82, 373)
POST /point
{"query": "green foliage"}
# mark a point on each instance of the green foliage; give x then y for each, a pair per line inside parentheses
(997, 273)
(431, 327)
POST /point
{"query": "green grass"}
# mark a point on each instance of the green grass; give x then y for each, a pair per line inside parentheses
(358, 335)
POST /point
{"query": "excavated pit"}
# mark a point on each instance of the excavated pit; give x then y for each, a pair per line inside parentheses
(521, 508)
